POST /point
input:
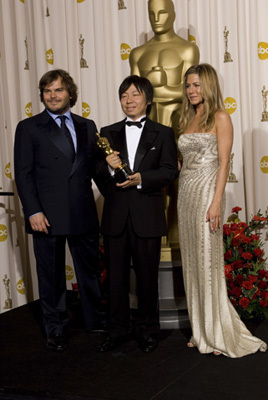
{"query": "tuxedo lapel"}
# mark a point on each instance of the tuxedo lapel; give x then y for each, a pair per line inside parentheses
(147, 139)
(52, 131)
(81, 137)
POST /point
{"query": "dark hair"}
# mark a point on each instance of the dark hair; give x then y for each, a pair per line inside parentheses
(143, 85)
(67, 80)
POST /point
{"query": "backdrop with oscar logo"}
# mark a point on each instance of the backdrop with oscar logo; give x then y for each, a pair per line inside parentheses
(92, 39)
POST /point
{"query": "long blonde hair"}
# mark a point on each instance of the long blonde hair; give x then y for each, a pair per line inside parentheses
(211, 94)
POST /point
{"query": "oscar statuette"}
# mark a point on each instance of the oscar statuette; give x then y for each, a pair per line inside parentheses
(122, 172)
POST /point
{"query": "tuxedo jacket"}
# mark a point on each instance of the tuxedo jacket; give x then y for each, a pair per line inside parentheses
(48, 181)
(156, 161)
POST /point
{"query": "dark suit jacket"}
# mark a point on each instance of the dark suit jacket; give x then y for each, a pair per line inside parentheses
(156, 160)
(48, 181)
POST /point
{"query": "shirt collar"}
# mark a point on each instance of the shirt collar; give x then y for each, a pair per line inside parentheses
(54, 116)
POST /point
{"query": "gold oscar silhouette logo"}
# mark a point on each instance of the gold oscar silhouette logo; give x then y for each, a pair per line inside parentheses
(8, 171)
(263, 50)
(69, 272)
(230, 105)
(85, 109)
(50, 56)
(20, 286)
(121, 5)
(192, 39)
(264, 164)
(22, 1)
(125, 50)
(264, 93)
(3, 233)
(8, 301)
(80, 1)
(227, 55)
(28, 109)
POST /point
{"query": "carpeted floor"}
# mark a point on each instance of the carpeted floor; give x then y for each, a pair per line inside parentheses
(29, 371)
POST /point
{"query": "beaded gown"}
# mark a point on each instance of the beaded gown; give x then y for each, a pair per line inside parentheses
(216, 326)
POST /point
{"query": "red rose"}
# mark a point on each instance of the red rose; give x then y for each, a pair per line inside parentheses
(243, 302)
(258, 252)
(256, 218)
(264, 295)
(238, 264)
(239, 279)
(236, 292)
(263, 285)
(263, 303)
(262, 273)
(242, 225)
(254, 237)
(228, 254)
(226, 230)
(229, 277)
(247, 256)
(236, 209)
(247, 285)
(252, 278)
(75, 286)
(235, 241)
(228, 268)
(245, 239)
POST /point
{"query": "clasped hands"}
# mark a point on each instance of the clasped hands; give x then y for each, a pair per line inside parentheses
(114, 162)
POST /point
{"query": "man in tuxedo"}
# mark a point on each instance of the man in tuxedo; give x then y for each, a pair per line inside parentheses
(133, 219)
(54, 157)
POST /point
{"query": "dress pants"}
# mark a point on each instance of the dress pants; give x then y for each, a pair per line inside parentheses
(145, 255)
(50, 262)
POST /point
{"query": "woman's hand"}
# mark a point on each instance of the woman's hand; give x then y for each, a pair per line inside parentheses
(214, 217)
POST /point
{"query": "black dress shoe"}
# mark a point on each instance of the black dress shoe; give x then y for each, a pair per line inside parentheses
(99, 328)
(109, 344)
(56, 342)
(147, 344)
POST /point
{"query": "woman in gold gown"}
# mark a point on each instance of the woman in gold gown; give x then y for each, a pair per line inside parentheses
(205, 142)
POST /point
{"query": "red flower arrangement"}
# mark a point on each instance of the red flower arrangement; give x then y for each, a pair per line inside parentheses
(246, 276)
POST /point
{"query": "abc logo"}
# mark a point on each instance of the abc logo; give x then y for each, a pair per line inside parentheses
(125, 51)
(263, 50)
(20, 286)
(28, 110)
(3, 233)
(192, 39)
(264, 164)
(7, 170)
(85, 109)
(50, 56)
(69, 272)
(230, 105)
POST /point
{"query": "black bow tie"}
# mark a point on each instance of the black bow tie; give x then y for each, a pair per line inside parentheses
(136, 123)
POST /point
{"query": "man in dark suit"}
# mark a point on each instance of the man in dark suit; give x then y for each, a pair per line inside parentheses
(54, 162)
(133, 219)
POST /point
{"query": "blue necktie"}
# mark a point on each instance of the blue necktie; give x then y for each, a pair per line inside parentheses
(67, 141)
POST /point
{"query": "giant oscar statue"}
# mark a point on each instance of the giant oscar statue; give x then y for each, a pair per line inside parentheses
(164, 60)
